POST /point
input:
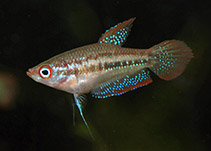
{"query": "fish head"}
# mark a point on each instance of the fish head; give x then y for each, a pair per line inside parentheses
(48, 74)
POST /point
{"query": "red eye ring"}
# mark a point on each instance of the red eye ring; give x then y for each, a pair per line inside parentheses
(45, 72)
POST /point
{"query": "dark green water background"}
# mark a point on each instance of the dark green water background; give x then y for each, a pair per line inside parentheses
(163, 116)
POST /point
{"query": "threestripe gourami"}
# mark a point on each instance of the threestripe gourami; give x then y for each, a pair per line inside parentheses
(106, 69)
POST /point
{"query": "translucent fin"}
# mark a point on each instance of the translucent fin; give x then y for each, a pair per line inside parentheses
(170, 58)
(117, 35)
(80, 102)
(73, 105)
(123, 85)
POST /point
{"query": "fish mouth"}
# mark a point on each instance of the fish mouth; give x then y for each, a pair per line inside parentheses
(30, 72)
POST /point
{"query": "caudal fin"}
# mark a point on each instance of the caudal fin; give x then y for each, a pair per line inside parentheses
(170, 58)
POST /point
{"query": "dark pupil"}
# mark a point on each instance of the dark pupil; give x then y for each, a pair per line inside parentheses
(45, 72)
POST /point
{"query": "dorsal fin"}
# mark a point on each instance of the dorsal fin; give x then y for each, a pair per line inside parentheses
(123, 85)
(117, 35)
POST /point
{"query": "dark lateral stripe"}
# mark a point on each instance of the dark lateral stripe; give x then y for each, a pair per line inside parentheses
(111, 65)
(105, 66)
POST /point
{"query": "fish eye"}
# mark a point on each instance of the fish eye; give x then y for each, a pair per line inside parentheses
(45, 72)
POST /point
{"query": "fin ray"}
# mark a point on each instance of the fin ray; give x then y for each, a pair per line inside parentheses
(170, 58)
(80, 102)
(73, 105)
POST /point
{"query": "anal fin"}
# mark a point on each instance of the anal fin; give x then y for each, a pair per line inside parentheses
(122, 85)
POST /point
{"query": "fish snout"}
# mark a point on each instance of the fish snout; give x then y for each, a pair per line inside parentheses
(30, 72)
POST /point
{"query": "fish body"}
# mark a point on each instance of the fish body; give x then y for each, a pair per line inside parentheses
(107, 69)
(83, 69)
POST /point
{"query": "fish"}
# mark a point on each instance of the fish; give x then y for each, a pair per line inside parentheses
(105, 69)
